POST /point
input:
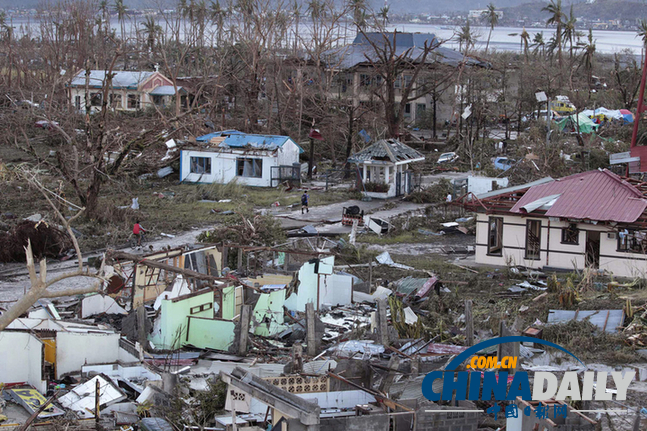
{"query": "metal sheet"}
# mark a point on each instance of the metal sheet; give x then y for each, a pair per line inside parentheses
(31, 400)
(594, 195)
(606, 320)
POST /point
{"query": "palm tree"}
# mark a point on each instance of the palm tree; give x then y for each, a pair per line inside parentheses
(569, 31)
(554, 8)
(642, 31)
(359, 13)
(200, 14)
(525, 39)
(465, 37)
(296, 10)
(384, 14)
(589, 56)
(217, 14)
(122, 12)
(490, 16)
(152, 30)
(538, 43)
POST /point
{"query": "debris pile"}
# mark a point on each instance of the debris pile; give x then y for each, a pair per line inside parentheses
(46, 241)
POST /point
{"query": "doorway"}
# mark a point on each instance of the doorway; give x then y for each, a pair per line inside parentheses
(593, 249)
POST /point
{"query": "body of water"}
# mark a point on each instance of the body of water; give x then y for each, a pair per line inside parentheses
(606, 41)
(502, 39)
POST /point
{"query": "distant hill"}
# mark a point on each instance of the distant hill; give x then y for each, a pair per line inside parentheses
(433, 7)
(603, 10)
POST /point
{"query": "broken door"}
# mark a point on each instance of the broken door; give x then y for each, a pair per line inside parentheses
(593, 249)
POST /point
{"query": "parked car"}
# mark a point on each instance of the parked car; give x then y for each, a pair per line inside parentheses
(45, 124)
(447, 158)
(503, 163)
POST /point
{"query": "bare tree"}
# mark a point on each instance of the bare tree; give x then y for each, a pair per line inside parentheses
(38, 278)
(390, 65)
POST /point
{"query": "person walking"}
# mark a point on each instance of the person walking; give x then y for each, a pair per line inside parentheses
(304, 202)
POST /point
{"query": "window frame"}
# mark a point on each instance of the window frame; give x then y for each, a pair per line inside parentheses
(577, 235)
(240, 169)
(499, 223)
(526, 248)
(137, 101)
(96, 99)
(205, 164)
(631, 234)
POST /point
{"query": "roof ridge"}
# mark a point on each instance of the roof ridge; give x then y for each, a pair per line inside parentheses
(616, 178)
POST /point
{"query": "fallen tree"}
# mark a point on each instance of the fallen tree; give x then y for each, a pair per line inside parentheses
(38, 279)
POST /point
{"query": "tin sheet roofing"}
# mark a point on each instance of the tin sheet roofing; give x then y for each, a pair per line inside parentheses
(120, 79)
(387, 149)
(236, 139)
(409, 285)
(411, 43)
(595, 195)
(166, 90)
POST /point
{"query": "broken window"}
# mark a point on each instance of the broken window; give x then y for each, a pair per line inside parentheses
(571, 234)
(133, 101)
(115, 100)
(200, 308)
(495, 236)
(632, 241)
(533, 239)
(200, 165)
(252, 168)
(95, 99)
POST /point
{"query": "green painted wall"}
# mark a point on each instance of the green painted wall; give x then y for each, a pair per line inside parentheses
(173, 319)
(211, 333)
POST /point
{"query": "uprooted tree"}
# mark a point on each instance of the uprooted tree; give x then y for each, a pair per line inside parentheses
(38, 278)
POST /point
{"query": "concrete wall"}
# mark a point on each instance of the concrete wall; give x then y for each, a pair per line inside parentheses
(478, 185)
(553, 252)
(223, 165)
(171, 327)
(21, 359)
(210, 333)
(450, 421)
(75, 349)
(376, 422)
(335, 289)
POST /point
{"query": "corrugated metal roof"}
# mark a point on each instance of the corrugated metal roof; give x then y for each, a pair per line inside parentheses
(354, 54)
(595, 195)
(498, 192)
(236, 139)
(120, 79)
(388, 150)
(408, 285)
(166, 90)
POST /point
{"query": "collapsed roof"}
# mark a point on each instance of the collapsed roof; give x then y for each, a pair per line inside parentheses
(236, 139)
(411, 43)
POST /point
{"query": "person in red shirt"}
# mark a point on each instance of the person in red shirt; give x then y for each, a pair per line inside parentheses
(138, 230)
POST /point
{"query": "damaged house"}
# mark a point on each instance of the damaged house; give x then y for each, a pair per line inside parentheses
(129, 91)
(591, 219)
(384, 168)
(252, 160)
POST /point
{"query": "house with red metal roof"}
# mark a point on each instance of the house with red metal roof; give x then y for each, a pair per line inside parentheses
(595, 219)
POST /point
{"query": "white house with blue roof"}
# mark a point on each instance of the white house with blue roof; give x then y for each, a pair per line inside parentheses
(252, 160)
(129, 91)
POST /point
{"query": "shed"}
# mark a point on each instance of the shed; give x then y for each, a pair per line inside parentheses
(384, 168)
(250, 159)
